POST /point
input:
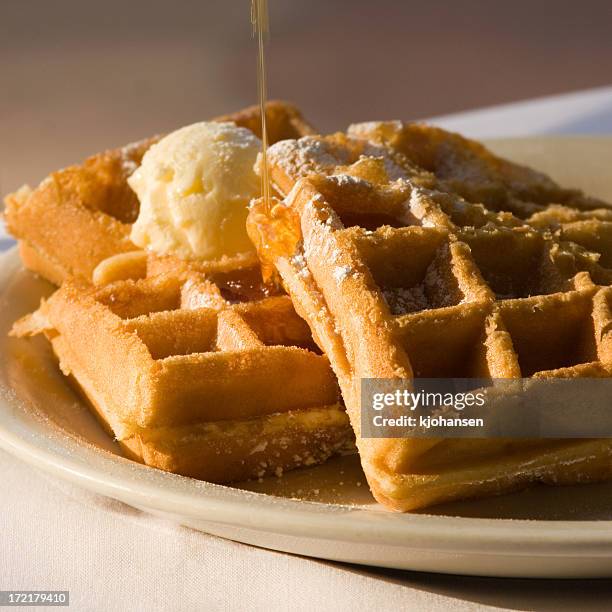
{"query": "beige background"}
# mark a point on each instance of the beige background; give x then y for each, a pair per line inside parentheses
(78, 76)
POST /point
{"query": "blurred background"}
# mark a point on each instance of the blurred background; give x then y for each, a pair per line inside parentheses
(78, 77)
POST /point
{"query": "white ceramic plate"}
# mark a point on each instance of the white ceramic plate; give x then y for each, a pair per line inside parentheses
(324, 512)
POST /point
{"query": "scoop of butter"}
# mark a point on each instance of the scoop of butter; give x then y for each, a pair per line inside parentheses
(194, 187)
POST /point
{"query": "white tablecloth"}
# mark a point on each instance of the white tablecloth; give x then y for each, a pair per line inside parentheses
(112, 557)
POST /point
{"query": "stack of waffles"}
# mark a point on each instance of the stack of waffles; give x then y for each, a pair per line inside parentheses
(195, 368)
(413, 252)
(405, 250)
(82, 215)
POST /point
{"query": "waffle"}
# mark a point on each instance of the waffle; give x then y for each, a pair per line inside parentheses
(466, 167)
(399, 277)
(208, 376)
(192, 366)
(80, 216)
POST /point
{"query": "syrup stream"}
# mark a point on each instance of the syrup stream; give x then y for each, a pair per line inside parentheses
(261, 30)
(275, 230)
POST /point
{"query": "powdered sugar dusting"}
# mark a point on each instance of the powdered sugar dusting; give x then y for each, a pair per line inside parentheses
(341, 273)
(301, 157)
(346, 180)
(402, 300)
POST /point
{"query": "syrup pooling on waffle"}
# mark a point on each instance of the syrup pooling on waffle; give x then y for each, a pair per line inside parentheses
(399, 278)
(232, 285)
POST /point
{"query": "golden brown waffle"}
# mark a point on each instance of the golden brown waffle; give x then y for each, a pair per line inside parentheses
(468, 168)
(399, 277)
(79, 216)
(194, 367)
(207, 376)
